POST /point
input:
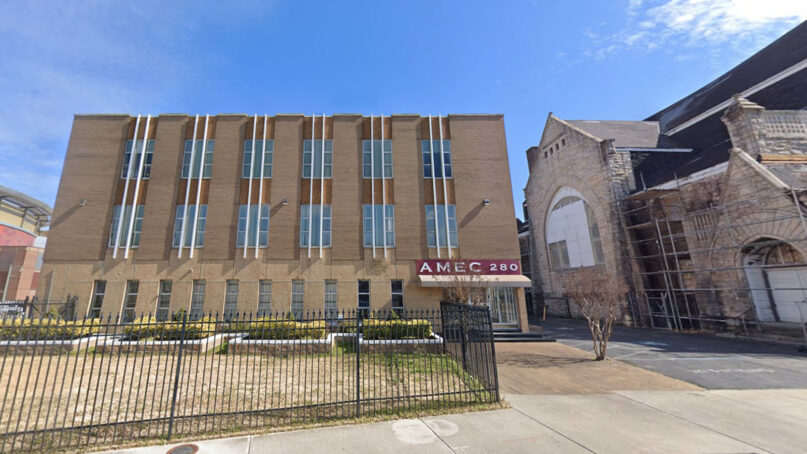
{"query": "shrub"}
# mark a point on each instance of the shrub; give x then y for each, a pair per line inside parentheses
(396, 329)
(271, 328)
(148, 326)
(46, 329)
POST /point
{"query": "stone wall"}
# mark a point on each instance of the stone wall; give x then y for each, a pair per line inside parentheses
(582, 162)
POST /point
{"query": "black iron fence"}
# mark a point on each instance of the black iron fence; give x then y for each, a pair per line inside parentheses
(96, 382)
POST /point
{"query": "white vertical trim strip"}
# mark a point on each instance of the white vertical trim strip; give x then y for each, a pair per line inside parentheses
(445, 192)
(383, 190)
(199, 185)
(310, 187)
(249, 191)
(434, 188)
(322, 185)
(125, 188)
(142, 164)
(260, 188)
(372, 181)
(187, 188)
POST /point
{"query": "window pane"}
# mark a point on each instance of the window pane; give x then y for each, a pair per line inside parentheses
(135, 159)
(317, 159)
(188, 230)
(440, 160)
(231, 299)
(136, 223)
(206, 166)
(197, 299)
(297, 297)
(315, 223)
(264, 298)
(436, 228)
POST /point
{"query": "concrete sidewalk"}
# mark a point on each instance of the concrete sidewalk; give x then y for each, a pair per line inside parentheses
(743, 421)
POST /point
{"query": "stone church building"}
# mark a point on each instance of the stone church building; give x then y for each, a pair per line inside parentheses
(699, 208)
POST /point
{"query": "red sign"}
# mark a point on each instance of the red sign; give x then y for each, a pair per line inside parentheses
(458, 267)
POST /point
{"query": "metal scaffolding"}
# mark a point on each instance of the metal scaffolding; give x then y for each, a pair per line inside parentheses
(695, 255)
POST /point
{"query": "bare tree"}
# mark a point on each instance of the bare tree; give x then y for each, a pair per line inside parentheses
(464, 285)
(597, 294)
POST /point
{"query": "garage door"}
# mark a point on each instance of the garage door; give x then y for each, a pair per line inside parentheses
(789, 289)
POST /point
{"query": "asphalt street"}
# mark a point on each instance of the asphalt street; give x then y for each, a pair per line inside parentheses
(707, 361)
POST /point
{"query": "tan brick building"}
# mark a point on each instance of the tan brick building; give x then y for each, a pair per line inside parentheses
(335, 213)
(700, 208)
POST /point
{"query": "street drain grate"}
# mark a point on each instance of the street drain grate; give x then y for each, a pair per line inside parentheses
(183, 449)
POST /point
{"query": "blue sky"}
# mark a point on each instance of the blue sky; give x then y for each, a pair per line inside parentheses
(615, 59)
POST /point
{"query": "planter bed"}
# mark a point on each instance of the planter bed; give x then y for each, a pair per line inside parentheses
(50, 347)
(165, 346)
(432, 345)
(281, 347)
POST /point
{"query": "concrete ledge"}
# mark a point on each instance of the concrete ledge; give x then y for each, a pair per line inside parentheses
(48, 347)
(281, 347)
(164, 346)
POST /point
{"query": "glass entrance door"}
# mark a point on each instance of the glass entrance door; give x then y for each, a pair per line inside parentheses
(502, 304)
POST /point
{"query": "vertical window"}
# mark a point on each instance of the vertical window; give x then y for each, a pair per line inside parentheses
(200, 225)
(311, 224)
(432, 162)
(136, 228)
(431, 226)
(231, 299)
(130, 301)
(316, 157)
(197, 159)
(572, 232)
(384, 220)
(396, 288)
(364, 297)
(264, 298)
(297, 298)
(164, 299)
(331, 307)
(97, 301)
(378, 161)
(127, 155)
(261, 238)
(197, 299)
(268, 149)
(594, 233)
(558, 255)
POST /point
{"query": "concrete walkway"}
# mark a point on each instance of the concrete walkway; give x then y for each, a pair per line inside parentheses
(722, 421)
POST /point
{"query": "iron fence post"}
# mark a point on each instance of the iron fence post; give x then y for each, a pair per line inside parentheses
(463, 332)
(493, 354)
(176, 376)
(358, 359)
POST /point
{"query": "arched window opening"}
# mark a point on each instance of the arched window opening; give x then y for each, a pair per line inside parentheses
(777, 280)
(572, 232)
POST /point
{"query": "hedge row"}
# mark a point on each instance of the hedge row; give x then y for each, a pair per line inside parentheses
(23, 329)
(270, 328)
(149, 327)
(396, 329)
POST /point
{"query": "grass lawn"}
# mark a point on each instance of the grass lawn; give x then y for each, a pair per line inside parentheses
(124, 395)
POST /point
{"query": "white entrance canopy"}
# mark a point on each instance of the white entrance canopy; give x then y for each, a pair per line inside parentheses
(480, 280)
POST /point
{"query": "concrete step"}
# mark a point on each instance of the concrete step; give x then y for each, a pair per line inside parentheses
(520, 337)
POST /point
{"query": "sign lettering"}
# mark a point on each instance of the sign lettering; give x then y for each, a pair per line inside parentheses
(460, 267)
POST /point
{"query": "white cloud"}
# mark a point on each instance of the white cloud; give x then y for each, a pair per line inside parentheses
(696, 23)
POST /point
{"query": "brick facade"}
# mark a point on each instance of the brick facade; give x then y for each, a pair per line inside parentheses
(78, 253)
